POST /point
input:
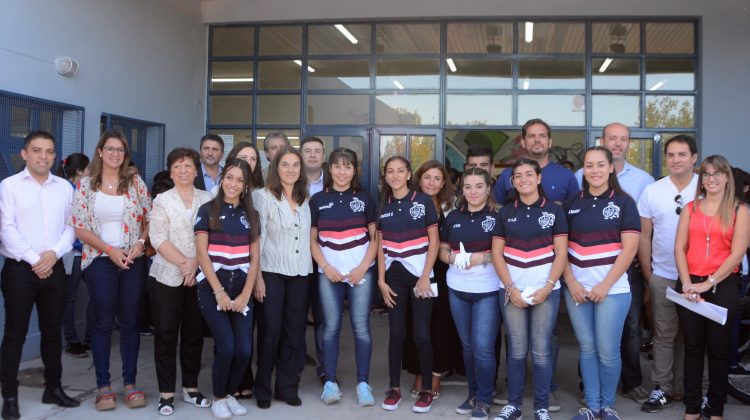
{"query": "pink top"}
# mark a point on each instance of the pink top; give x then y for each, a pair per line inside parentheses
(705, 257)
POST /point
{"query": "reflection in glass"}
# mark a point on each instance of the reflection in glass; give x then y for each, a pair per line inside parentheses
(615, 73)
(281, 40)
(407, 109)
(480, 74)
(346, 38)
(339, 74)
(391, 145)
(479, 110)
(232, 41)
(282, 74)
(670, 111)
(610, 108)
(278, 109)
(231, 109)
(480, 37)
(670, 38)
(551, 74)
(567, 110)
(232, 75)
(551, 37)
(641, 153)
(405, 38)
(669, 74)
(338, 109)
(421, 149)
(407, 74)
(616, 37)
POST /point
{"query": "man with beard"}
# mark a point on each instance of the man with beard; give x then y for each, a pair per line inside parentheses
(211, 151)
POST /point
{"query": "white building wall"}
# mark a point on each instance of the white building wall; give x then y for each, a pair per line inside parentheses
(725, 54)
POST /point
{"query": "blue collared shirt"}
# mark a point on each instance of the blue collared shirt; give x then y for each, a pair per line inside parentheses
(208, 181)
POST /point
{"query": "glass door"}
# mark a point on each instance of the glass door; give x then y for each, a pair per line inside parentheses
(415, 144)
(645, 150)
(357, 139)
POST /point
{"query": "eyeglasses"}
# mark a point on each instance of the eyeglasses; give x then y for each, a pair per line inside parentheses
(678, 200)
(112, 149)
(715, 175)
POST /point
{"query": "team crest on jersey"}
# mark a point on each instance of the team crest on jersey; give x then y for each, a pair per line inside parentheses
(488, 223)
(416, 211)
(357, 205)
(611, 211)
(546, 220)
(244, 222)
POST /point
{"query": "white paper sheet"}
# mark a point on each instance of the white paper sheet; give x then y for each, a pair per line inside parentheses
(713, 312)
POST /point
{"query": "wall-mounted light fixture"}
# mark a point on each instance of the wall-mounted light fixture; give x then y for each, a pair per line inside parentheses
(66, 66)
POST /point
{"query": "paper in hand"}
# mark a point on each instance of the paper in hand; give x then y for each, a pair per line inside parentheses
(713, 312)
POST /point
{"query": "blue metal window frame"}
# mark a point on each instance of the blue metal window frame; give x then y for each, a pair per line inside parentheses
(139, 157)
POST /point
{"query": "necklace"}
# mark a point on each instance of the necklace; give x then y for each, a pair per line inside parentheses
(707, 230)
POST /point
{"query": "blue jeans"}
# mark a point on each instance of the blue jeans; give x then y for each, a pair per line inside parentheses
(232, 332)
(598, 328)
(332, 297)
(115, 293)
(531, 329)
(478, 318)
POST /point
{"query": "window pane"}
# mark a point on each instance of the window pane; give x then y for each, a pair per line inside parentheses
(408, 74)
(670, 37)
(280, 40)
(334, 39)
(20, 121)
(283, 74)
(618, 74)
(480, 37)
(551, 37)
(421, 149)
(611, 108)
(407, 109)
(278, 109)
(666, 74)
(616, 37)
(567, 110)
(339, 74)
(338, 109)
(479, 110)
(480, 74)
(392, 145)
(404, 38)
(236, 136)
(551, 74)
(670, 111)
(231, 110)
(568, 145)
(232, 75)
(232, 41)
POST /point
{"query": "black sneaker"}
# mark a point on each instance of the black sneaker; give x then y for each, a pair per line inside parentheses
(76, 350)
(657, 401)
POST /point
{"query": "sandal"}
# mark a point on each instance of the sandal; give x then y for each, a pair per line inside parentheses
(134, 398)
(414, 393)
(245, 394)
(435, 395)
(166, 406)
(105, 400)
(196, 398)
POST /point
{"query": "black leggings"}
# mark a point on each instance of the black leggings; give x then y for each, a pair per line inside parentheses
(402, 283)
(703, 336)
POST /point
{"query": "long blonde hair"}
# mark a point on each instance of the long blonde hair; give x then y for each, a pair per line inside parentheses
(728, 200)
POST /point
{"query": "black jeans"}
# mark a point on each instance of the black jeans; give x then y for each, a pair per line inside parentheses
(176, 315)
(22, 289)
(630, 346)
(317, 315)
(705, 337)
(402, 282)
(281, 321)
(232, 332)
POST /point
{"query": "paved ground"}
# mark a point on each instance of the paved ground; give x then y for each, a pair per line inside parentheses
(78, 379)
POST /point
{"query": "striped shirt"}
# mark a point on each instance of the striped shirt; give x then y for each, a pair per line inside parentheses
(529, 232)
(403, 224)
(342, 219)
(474, 230)
(596, 224)
(285, 244)
(228, 248)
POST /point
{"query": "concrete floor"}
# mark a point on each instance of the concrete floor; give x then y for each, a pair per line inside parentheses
(78, 379)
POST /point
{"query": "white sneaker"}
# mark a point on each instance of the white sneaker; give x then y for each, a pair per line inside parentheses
(235, 407)
(220, 409)
(554, 403)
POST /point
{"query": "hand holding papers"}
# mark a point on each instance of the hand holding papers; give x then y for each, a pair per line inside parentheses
(713, 312)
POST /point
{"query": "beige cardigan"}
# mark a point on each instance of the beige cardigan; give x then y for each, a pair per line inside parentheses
(168, 222)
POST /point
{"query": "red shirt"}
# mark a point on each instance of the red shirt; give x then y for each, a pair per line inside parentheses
(719, 245)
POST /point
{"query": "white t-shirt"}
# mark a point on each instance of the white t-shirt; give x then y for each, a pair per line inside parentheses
(657, 202)
(109, 212)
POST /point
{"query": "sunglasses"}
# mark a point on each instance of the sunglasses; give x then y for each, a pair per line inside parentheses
(678, 200)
